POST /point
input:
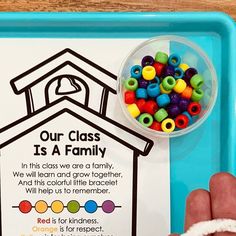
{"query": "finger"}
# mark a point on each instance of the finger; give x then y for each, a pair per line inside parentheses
(198, 208)
(223, 197)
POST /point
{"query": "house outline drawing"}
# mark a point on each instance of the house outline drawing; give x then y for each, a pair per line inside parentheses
(41, 112)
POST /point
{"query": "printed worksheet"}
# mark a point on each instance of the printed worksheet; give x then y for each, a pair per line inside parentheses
(71, 163)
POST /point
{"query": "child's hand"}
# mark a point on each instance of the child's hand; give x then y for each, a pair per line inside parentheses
(220, 202)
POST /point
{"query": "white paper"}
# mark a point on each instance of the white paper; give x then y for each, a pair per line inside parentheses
(44, 155)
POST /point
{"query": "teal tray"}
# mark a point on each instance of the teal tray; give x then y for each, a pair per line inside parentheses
(209, 149)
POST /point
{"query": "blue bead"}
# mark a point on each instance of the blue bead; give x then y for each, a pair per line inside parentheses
(179, 73)
(174, 60)
(189, 117)
(141, 93)
(163, 100)
(153, 90)
(91, 206)
(157, 80)
(136, 72)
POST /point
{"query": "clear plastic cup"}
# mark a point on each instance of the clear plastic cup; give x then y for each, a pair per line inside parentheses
(190, 54)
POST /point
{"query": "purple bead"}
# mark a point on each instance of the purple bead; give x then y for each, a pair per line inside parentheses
(174, 98)
(147, 61)
(173, 110)
(169, 70)
(108, 206)
(189, 73)
(183, 104)
(143, 83)
(187, 81)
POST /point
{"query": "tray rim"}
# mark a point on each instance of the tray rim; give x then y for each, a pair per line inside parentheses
(111, 16)
(20, 24)
(18, 19)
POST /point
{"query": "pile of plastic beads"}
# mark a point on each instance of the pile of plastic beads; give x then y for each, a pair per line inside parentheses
(163, 94)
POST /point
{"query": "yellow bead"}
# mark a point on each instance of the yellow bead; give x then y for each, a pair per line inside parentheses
(180, 86)
(133, 110)
(163, 90)
(149, 72)
(184, 66)
(168, 125)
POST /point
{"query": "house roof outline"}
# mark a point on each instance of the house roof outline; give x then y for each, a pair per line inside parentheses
(139, 144)
(65, 57)
(14, 131)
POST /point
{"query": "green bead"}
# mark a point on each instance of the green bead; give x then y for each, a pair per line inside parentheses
(197, 95)
(168, 83)
(73, 206)
(196, 81)
(161, 57)
(146, 119)
(160, 115)
(131, 84)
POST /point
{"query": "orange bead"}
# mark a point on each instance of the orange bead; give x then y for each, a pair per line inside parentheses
(187, 93)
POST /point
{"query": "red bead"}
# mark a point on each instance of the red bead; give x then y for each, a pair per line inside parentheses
(156, 126)
(159, 67)
(194, 108)
(150, 107)
(25, 207)
(181, 121)
(129, 97)
(140, 104)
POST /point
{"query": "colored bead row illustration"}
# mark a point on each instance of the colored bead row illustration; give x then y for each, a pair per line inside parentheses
(163, 94)
(73, 206)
